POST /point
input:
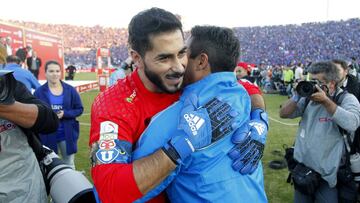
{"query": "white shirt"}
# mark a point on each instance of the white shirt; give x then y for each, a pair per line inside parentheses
(298, 73)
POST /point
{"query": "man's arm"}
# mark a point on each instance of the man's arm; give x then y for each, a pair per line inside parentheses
(257, 102)
(21, 114)
(126, 182)
(249, 147)
(116, 177)
(289, 107)
(29, 112)
(150, 171)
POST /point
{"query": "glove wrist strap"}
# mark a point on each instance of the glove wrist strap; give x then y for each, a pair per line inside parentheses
(261, 115)
(171, 153)
(178, 149)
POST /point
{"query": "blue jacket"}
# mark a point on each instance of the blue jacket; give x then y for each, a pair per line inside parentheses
(72, 108)
(116, 75)
(24, 76)
(207, 176)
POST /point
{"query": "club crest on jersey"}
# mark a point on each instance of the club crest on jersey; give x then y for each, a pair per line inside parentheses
(108, 127)
(107, 156)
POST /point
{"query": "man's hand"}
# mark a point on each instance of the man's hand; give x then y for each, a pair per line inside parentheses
(60, 114)
(201, 126)
(250, 140)
(322, 98)
(319, 96)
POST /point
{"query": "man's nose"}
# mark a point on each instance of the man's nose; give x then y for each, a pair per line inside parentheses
(179, 65)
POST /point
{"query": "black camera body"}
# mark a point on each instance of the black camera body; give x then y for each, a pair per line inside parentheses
(306, 88)
(7, 84)
(255, 72)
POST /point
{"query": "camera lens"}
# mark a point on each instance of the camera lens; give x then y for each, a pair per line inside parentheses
(305, 88)
(3, 89)
(7, 86)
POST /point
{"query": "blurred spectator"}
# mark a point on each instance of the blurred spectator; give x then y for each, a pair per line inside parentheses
(20, 74)
(22, 55)
(8, 47)
(71, 70)
(2, 41)
(2, 56)
(34, 64)
(119, 73)
(242, 71)
(299, 73)
(354, 67)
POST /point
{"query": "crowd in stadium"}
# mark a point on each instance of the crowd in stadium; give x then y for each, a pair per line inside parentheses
(272, 45)
(217, 119)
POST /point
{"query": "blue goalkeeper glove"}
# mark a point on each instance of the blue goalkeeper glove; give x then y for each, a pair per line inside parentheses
(201, 126)
(250, 142)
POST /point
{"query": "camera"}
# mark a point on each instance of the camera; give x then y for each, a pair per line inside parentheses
(355, 166)
(306, 88)
(7, 81)
(66, 185)
(255, 72)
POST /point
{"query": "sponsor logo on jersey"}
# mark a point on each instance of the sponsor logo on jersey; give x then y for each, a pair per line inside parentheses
(107, 144)
(194, 122)
(323, 120)
(260, 127)
(7, 126)
(108, 127)
(108, 136)
(131, 97)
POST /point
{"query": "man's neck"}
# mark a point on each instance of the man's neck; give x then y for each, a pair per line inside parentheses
(147, 83)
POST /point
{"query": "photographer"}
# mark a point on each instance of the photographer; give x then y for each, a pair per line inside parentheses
(120, 72)
(20, 115)
(319, 145)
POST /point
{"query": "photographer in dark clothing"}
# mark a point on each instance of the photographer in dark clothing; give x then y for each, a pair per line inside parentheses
(348, 82)
(71, 70)
(20, 115)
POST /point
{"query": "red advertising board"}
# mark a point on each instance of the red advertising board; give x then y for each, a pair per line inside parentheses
(16, 34)
(47, 46)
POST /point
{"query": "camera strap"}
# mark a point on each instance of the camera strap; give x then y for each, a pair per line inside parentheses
(346, 135)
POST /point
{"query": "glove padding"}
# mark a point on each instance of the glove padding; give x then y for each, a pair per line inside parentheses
(201, 125)
(250, 140)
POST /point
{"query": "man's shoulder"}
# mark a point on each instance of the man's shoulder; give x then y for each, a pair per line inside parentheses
(119, 97)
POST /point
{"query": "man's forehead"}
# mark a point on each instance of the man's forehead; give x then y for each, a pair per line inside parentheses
(167, 43)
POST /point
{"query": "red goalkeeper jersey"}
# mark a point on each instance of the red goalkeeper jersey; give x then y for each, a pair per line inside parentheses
(124, 109)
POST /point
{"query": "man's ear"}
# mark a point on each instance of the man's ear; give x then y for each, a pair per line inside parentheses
(203, 61)
(136, 58)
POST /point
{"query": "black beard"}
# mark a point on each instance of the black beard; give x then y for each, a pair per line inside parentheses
(154, 78)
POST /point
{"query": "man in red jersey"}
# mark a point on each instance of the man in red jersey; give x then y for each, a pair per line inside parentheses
(121, 113)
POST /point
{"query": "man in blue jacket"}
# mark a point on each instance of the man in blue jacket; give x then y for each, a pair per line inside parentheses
(206, 175)
(20, 74)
